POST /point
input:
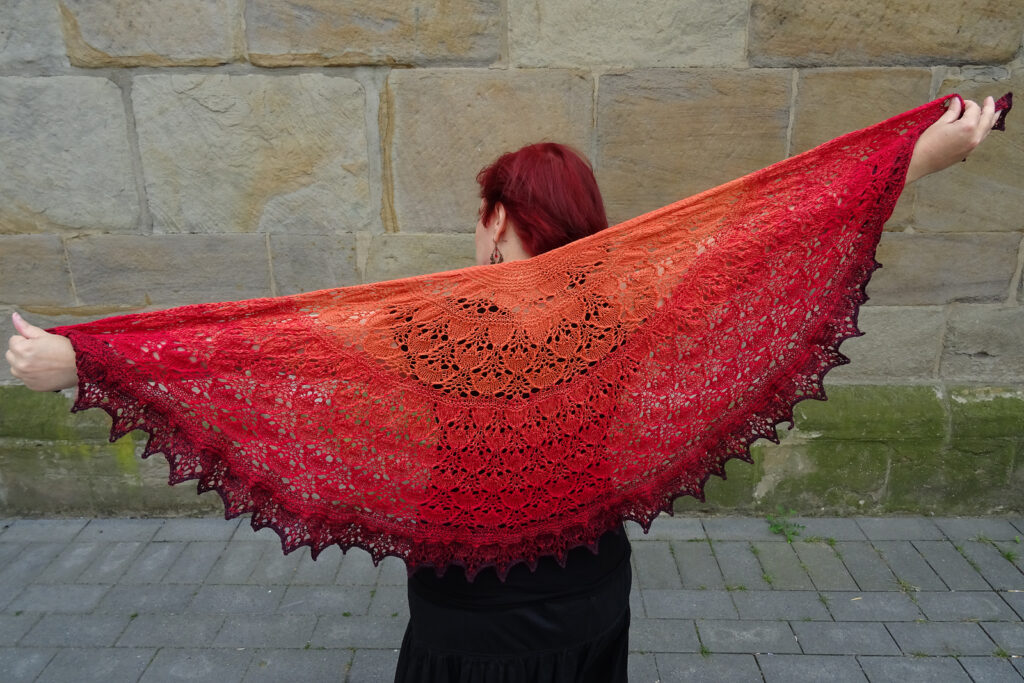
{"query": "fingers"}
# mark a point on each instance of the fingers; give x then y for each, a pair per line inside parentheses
(972, 114)
(953, 109)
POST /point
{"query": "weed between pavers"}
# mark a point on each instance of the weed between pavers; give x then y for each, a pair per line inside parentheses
(782, 525)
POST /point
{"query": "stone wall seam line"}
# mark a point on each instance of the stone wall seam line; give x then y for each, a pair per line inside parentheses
(373, 80)
(270, 264)
(1015, 297)
(126, 83)
(794, 89)
(385, 133)
(746, 36)
(240, 41)
(71, 274)
(504, 52)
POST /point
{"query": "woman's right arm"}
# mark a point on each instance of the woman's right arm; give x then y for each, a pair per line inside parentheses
(952, 137)
(43, 361)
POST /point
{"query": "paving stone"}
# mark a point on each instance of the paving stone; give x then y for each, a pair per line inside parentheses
(849, 638)
(989, 669)
(663, 635)
(1013, 552)
(963, 606)
(697, 565)
(1014, 599)
(23, 664)
(373, 666)
(29, 563)
(357, 569)
(899, 529)
(825, 567)
(1009, 635)
(321, 571)
(780, 562)
(207, 529)
(866, 566)
(688, 604)
(810, 669)
(237, 562)
(392, 572)
(655, 566)
(964, 529)
(31, 34)
(77, 630)
(1000, 573)
(707, 669)
(271, 630)
(389, 602)
(171, 630)
(273, 666)
(636, 601)
(247, 534)
(13, 627)
(195, 562)
(131, 599)
(667, 528)
(58, 598)
(327, 600)
(835, 528)
(747, 636)
(357, 632)
(881, 606)
(912, 669)
(740, 567)
(738, 529)
(642, 668)
(236, 599)
(197, 666)
(908, 565)
(152, 563)
(941, 638)
(96, 665)
(42, 530)
(273, 566)
(112, 562)
(780, 605)
(955, 571)
(67, 566)
(1018, 663)
(109, 530)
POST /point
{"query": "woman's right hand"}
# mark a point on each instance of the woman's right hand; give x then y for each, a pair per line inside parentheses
(952, 137)
(43, 361)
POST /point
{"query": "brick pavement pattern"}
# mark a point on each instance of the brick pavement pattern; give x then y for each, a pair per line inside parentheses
(714, 599)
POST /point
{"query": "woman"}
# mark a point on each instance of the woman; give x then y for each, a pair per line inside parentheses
(553, 624)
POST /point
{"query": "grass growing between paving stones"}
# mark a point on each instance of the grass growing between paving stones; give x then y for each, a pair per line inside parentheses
(782, 525)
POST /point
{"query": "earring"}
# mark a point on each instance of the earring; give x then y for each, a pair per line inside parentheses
(496, 256)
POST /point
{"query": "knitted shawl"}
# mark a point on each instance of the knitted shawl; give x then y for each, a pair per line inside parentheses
(496, 414)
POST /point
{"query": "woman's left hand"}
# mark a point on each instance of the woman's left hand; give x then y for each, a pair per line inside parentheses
(43, 361)
(952, 137)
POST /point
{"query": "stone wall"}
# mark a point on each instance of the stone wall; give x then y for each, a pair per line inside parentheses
(155, 153)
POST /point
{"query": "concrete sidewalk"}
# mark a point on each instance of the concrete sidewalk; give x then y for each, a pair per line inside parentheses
(715, 599)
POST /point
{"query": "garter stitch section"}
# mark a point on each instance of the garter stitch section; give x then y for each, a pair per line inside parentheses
(495, 414)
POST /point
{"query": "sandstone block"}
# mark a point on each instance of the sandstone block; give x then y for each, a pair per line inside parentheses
(396, 256)
(898, 342)
(983, 344)
(30, 34)
(33, 271)
(152, 32)
(327, 32)
(667, 134)
(306, 263)
(835, 32)
(446, 125)
(612, 33)
(244, 153)
(64, 166)
(923, 269)
(986, 192)
(168, 270)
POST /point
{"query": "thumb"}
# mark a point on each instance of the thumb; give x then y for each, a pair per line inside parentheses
(24, 329)
(953, 110)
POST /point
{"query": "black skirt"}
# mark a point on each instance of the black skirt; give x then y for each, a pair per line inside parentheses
(554, 625)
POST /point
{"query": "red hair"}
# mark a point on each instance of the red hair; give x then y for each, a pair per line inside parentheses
(549, 193)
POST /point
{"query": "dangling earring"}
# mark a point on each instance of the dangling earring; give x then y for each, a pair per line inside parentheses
(496, 256)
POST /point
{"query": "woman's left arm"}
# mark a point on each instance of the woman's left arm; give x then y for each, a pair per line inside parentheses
(952, 137)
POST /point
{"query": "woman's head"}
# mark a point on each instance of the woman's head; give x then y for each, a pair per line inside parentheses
(548, 194)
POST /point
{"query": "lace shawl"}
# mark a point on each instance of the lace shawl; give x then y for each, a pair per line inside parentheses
(495, 414)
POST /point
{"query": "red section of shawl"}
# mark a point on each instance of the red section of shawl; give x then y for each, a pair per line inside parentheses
(496, 414)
